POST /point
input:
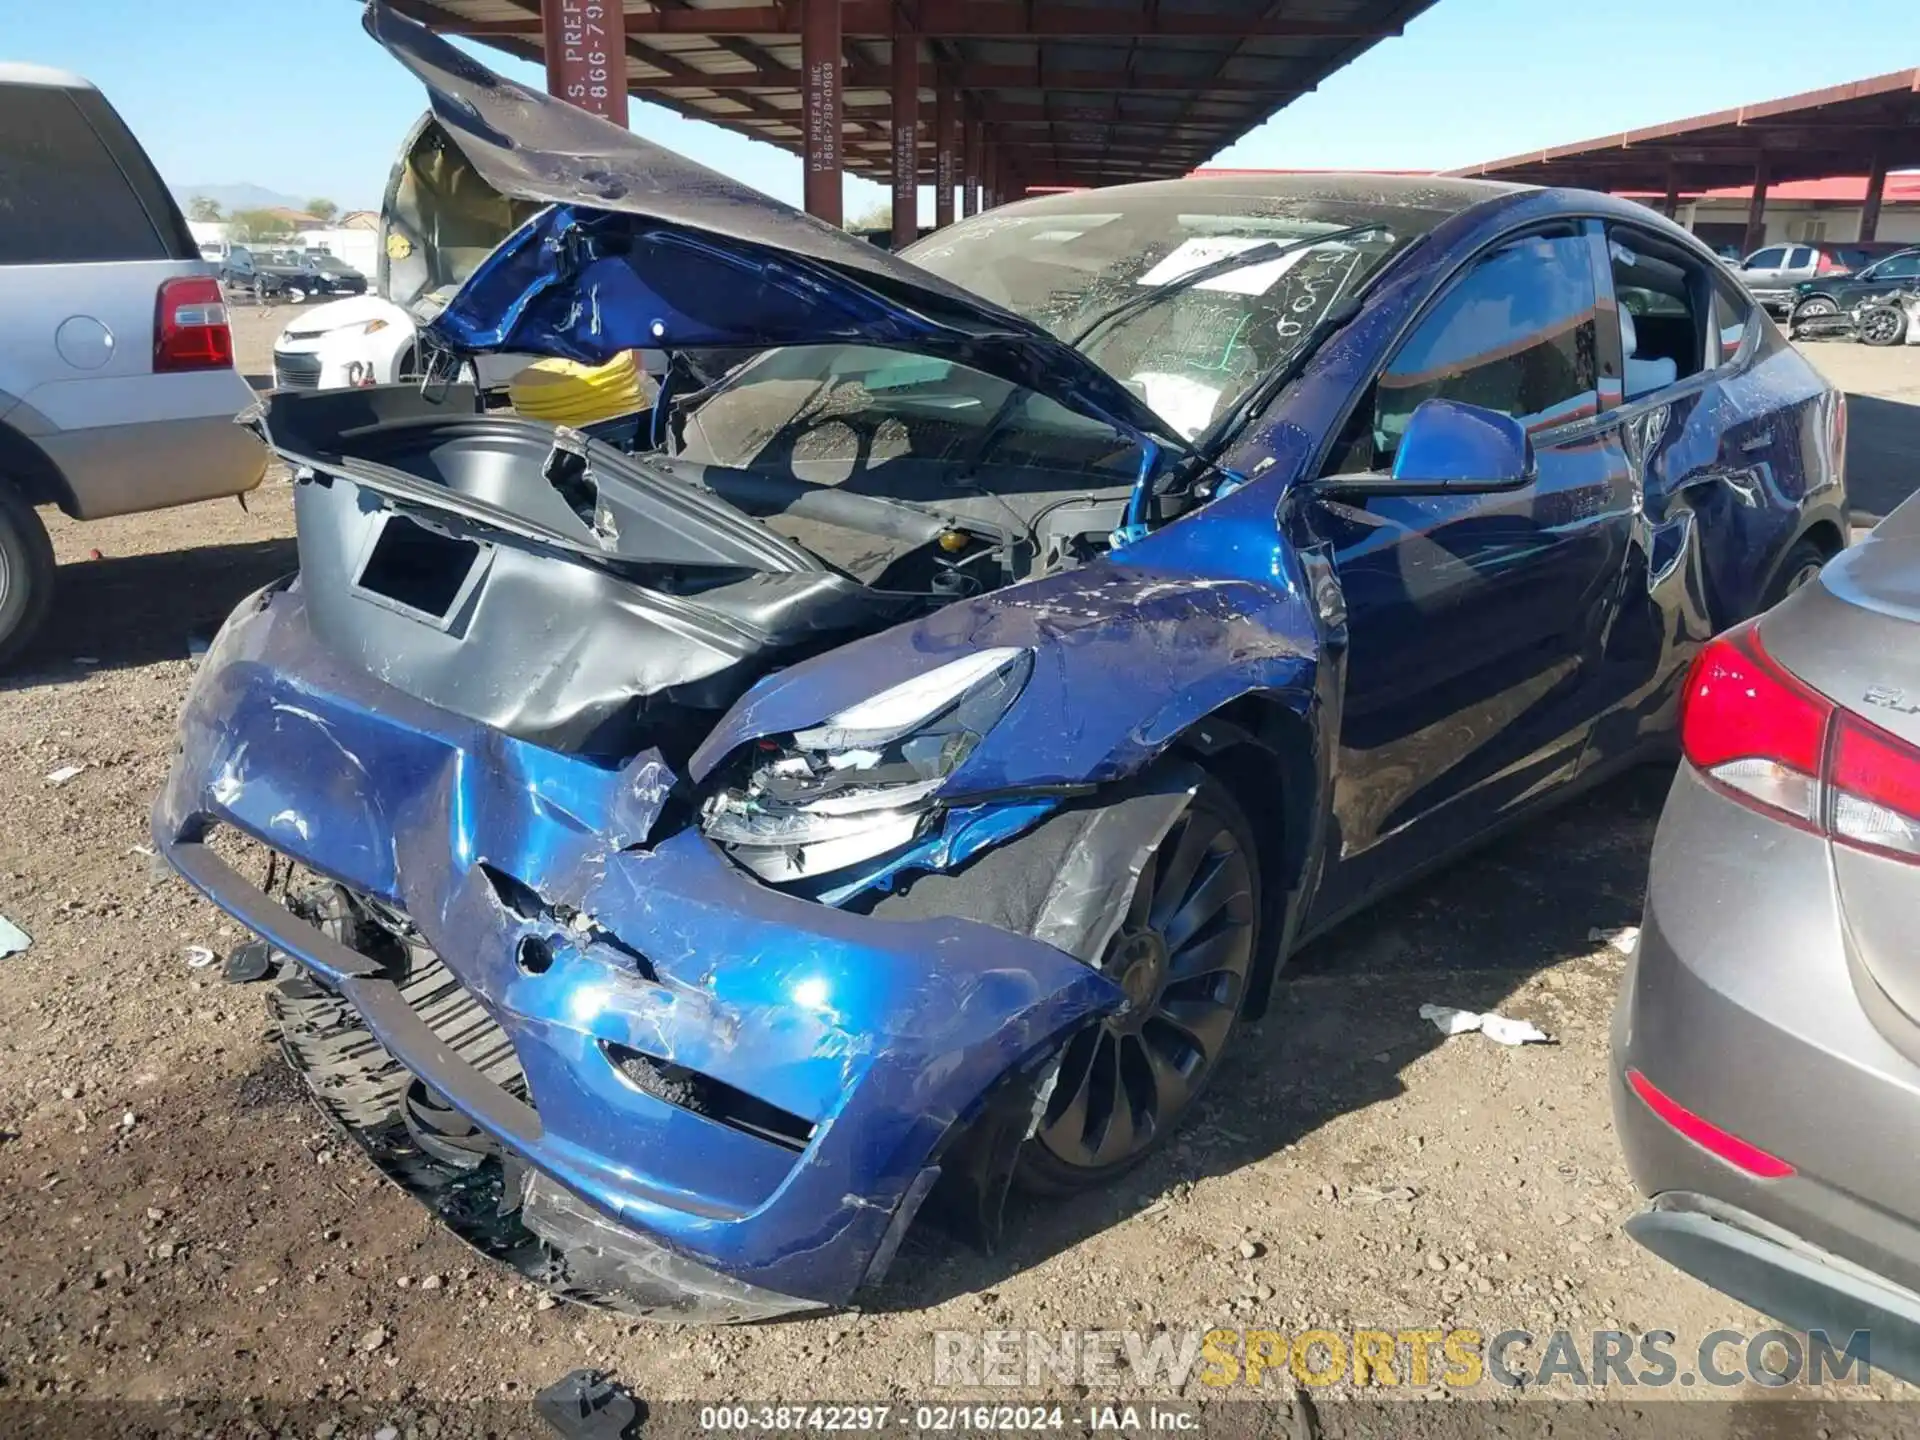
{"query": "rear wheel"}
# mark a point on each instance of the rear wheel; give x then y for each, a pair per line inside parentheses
(1800, 567)
(1815, 305)
(26, 574)
(1184, 955)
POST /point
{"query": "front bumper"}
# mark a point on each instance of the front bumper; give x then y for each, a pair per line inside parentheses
(885, 1037)
(1740, 1005)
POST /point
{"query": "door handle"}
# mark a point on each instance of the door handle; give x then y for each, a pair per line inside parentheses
(1757, 442)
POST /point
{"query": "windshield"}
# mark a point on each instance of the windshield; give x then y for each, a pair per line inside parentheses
(1068, 262)
(918, 428)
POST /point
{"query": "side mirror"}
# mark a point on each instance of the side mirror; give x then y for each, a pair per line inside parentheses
(1450, 448)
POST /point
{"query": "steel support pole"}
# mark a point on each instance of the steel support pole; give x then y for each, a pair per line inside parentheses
(906, 137)
(586, 49)
(820, 60)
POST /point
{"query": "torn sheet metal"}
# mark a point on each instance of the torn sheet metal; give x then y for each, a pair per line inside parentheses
(893, 1030)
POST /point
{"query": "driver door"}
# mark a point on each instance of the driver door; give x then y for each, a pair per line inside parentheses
(1475, 622)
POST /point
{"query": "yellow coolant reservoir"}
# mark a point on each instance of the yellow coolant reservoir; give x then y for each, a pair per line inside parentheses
(565, 392)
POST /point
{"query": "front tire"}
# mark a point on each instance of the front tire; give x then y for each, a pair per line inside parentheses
(1883, 325)
(1184, 953)
(26, 574)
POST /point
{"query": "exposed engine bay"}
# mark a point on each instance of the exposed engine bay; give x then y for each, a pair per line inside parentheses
(757, 533)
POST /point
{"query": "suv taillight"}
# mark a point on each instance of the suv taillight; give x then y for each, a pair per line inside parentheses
(190, 326)
(1766, 739)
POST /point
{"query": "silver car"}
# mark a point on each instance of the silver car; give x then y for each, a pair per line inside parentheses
(1766, 1047)
(117, 383)
(1771, 273)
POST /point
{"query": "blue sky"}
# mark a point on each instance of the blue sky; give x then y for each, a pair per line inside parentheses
(290, 94)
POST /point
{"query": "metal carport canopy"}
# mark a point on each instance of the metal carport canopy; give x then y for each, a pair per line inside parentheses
(1865, 127)
(1018, 93)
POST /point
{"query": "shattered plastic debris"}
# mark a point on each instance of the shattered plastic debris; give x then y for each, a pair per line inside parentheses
(251, 960)
(13, 940)
(199, 957)
(1500, 1028)
(586, 1405)
(1623, 939)
(63, 774)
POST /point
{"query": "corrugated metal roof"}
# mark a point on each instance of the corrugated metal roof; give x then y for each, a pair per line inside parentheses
(1835, 131)
(1070, 92)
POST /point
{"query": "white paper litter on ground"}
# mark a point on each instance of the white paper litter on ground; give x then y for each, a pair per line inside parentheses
(199, 957)
(13, 939)
(63, 774)
(1500, 1028)
(1622, 939)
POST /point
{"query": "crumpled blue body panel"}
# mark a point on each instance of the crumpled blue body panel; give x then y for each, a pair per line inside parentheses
(880, 1033)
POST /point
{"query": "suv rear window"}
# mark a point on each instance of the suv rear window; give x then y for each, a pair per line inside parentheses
(64, 199)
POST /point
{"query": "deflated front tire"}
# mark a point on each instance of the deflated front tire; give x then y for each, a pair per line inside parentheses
(1183, 953)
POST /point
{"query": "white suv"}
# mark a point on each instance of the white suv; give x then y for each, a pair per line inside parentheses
(117, 385)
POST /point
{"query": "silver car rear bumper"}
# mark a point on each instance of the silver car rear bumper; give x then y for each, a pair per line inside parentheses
(1741, 1007)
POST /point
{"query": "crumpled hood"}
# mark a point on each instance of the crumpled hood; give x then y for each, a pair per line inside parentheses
(644, 248)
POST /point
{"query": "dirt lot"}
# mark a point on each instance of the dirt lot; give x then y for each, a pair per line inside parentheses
(180, 1223)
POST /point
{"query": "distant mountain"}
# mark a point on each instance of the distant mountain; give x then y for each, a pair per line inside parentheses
(240, 197)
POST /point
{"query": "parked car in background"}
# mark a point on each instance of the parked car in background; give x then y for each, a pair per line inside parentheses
(902, 770)
(117, 385)
(236, 266)
(1831, 294)
(1766, 1045)
(295, 277)
(1774, 272)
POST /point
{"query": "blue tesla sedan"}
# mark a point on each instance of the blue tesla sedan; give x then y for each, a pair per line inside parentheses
(889, 769)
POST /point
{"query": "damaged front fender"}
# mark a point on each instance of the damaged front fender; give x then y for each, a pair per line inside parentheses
(818, 1056)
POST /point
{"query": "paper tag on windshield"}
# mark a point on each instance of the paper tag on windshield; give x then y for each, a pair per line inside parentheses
(1191, 255)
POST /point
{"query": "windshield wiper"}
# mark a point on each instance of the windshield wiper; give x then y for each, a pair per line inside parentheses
(1254, 255)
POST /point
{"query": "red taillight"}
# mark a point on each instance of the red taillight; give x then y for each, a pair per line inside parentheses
(1769, 741)
(190, 326)
(1708, 1136)
(1751, 726)
(1876, 789)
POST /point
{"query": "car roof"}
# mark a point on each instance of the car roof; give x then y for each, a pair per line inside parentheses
(1414, 192)
(18, 72)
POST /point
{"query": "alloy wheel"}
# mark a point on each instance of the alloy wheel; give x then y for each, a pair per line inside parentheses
(1182, 956)
(1819, 305)
(1881, 325)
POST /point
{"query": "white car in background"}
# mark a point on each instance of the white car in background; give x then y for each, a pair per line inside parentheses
(438, 220)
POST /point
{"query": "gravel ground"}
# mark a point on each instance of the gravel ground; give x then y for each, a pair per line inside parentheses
(182, 1224)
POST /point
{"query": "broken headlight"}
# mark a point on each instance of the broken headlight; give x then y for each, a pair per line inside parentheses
(862, 782)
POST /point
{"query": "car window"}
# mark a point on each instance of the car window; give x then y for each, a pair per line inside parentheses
(63, 198)
(1766, 259)
(1800, 259)
(1732, 313)
(1897, 267)
(1517, 333)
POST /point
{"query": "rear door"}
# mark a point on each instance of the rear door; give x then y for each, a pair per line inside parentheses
(1764, 273)
(1474, 621)
(1731, 438)
(87, 235)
